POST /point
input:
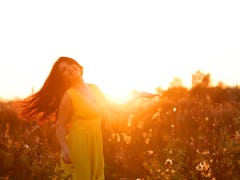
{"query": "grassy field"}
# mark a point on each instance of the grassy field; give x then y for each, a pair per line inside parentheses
(183, 134)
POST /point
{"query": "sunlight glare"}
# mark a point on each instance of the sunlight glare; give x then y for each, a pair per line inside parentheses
(116, 94)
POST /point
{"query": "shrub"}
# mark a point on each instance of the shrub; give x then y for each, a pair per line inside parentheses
(186, 134)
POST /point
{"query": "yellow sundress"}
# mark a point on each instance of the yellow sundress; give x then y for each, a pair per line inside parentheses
(84, 140)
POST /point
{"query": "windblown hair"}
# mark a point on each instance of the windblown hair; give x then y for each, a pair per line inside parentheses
(43, 105)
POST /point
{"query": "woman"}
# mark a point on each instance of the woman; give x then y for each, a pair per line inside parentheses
(77, 108)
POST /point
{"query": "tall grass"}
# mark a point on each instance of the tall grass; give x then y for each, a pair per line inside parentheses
(183, 134)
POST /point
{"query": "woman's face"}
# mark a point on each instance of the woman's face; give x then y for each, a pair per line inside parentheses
(70, 71)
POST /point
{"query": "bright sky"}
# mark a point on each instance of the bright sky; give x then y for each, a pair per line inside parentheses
(123, 45)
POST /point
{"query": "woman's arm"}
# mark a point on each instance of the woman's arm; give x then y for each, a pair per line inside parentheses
(130, 103)
(125, 105)
(118, 108)
(64, 115)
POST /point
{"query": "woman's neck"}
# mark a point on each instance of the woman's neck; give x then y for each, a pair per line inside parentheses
(79, 85)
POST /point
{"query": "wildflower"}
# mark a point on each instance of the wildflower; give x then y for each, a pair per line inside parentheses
(126, 138)
(26, 146)
(147, 140)
(205, 152)
(156, 115)
(118, 138)
(199, 167)
(174, 109)
(145, 164)
(204, 168)
(168, 162)
(129, 122)
(150, 152)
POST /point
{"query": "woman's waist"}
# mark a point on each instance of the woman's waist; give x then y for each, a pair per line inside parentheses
(85, 123)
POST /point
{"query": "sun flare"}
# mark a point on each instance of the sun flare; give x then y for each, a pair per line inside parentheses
(117, 94)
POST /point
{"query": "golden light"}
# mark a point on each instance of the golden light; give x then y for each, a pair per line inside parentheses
(143, 50)
(116, 94)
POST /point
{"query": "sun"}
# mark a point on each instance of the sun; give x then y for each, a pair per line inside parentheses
(117, 94)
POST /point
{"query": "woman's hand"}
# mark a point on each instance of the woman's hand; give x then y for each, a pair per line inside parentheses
(66, 156)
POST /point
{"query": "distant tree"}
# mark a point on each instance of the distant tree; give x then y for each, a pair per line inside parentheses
(159, 90)
(201, 79)
(220, 84)
(175, 93)
(176, 82)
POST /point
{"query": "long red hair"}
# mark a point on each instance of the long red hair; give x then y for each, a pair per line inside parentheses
(43, 105)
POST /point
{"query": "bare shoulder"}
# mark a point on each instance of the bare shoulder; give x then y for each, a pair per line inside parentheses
(94, 87)
(97, 90)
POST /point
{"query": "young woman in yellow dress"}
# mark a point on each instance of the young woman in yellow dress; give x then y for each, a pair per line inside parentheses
(77, 108)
